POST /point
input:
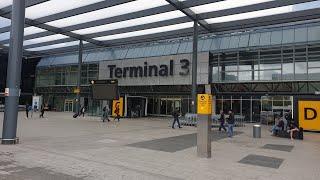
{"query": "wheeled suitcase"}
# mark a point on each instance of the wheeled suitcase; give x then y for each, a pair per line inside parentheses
(75, 115)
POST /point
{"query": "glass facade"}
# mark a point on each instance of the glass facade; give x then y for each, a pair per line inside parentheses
(298, 62)
(252, 108)
(66, 75)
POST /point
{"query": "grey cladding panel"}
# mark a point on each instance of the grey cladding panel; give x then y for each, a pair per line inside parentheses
(234, 42)
(300, 34)
(206, 45)
(182, 47)
(265, 38)
(244, 40)
(254, 39)
(200, 44)
(314, 33)
(174, 48)
(276, 37)
(189, 47)
(215, 45)
(225, 41)
(288, 36)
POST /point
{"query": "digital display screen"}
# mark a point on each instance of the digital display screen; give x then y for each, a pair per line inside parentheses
(105, 91)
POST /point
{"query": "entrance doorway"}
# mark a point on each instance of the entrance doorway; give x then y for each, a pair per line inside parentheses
(68, 105)
(136, 106)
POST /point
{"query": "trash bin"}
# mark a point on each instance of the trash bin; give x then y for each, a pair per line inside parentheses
(256, 131)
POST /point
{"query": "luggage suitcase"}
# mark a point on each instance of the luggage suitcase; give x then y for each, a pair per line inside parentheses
(75, 115)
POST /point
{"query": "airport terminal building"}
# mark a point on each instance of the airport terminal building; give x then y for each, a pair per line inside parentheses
(250, 72)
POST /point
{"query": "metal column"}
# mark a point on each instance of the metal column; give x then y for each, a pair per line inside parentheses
(12, 91)
(194, 66)
(79, 76)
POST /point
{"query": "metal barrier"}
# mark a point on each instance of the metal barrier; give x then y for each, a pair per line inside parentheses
(191, 120)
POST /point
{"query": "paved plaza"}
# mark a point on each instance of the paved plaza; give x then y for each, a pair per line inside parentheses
(61, 147)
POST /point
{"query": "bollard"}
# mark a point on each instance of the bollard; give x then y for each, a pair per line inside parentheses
(256, 131)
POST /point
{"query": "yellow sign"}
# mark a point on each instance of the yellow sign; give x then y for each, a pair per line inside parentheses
(309, 115)
(204, 104)
(76, 91)
(117, 107)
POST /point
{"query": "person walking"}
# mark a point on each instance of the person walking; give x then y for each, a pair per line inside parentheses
(176, 115)
(221, 120)
(41, 111)
(230, 122)
(27, 110)
(117, 112)
(82, 111)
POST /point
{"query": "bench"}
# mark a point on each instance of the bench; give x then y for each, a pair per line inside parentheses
(286, 134)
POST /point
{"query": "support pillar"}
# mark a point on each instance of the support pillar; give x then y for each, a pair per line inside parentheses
(194, 67)
(79, 76)
(12, 92)
(204, 132)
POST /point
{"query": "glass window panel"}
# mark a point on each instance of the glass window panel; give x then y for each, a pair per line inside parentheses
(245, 75)
(287, 72)
(206, 45)
(265, 12)
(270, 75)
(313, 64)
(125, 8)
(230, 76)
(234, 42)
(227, 4)
(301, 70)
(146, 31)
(55, 6)
(225, 41)
(131, 22)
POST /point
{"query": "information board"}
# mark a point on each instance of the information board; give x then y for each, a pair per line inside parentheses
(204, 104)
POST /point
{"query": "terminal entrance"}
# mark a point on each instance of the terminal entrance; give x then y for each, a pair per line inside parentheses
(68, 105)
(136, 106)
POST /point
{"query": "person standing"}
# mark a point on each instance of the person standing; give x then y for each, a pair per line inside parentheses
(230, 122)
(221, 120)
(176, 115)
(41, 111)
(105, 114)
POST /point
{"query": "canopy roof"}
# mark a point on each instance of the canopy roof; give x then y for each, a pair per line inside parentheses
(55, 26)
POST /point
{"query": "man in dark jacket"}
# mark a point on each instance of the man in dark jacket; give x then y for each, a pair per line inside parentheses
(231, 122)
(221, 120)
(176, 115)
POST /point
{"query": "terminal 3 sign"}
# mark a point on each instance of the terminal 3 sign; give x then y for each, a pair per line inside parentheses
(307, 112)
(149, 70)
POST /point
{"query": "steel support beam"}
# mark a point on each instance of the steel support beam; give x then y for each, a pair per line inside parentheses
(194, 66)
(180, 6)
(9, 129)
(79, 75)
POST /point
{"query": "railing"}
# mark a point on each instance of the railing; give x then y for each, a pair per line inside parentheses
(191, 120)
